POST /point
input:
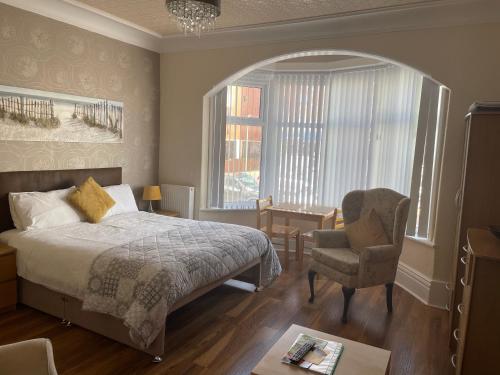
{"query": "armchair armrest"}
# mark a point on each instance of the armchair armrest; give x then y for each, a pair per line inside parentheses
(377, 265)
(28, 357)
(331, 238)
(377, 254)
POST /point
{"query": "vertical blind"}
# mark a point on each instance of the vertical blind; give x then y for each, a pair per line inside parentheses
(217, 140)
(294, 137)
(328, 133)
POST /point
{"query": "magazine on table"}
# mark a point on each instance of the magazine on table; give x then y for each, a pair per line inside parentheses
(322, 358)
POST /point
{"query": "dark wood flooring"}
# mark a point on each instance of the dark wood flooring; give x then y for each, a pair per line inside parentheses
(229, 330)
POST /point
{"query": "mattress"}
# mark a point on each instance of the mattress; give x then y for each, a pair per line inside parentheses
(60, 258)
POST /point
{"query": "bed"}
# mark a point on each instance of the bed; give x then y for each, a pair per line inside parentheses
(67, 271)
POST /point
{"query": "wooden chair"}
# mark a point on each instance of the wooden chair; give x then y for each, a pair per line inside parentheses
(285, 231)
(337, 223)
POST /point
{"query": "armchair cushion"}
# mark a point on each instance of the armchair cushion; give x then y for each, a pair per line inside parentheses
(367, 231)
(341, 259)
(331, 238)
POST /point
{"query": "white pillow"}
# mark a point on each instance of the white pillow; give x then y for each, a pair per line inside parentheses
(124, 198)
(37, 210)
(13, 214)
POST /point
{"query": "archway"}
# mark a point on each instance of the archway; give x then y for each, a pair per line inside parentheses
(321, 52)
(439, 110)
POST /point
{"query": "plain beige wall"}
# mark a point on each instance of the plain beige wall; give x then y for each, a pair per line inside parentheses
(466, 59)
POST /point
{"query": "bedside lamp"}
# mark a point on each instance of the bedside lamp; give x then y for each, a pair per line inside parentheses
(151, 193)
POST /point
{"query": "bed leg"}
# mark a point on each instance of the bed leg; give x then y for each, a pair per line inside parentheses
(157, 359)
(258, 277)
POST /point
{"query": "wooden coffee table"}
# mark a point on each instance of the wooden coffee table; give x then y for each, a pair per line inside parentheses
(356, 359)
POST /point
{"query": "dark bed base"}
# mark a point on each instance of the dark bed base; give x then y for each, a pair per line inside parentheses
(69, 309)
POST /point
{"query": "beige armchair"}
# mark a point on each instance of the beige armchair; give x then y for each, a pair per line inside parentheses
(365, 267)
(30, 357)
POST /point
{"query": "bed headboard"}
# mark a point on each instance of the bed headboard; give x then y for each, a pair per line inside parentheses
(48, 180)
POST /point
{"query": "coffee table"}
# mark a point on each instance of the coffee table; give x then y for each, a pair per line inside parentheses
(356, 359)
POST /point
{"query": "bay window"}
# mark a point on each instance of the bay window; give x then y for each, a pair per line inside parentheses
(311, 137)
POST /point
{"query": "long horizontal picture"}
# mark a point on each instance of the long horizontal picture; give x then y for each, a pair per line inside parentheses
(33, 115)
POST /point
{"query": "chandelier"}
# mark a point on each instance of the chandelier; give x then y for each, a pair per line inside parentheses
(194, 16)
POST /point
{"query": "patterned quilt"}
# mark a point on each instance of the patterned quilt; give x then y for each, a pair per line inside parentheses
(139, 281)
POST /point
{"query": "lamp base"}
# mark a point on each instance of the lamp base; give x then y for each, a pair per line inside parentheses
(150, 208)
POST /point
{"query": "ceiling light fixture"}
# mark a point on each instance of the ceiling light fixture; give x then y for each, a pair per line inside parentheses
(194, 16)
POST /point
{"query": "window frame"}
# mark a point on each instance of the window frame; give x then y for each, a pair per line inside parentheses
(261, 81)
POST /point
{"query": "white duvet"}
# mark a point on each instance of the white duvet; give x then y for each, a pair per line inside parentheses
(60, 258)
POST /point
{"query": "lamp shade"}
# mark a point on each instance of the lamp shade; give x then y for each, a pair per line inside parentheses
(151, 193)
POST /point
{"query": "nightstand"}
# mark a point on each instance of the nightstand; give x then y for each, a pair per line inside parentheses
(167, 213)
(8, 275)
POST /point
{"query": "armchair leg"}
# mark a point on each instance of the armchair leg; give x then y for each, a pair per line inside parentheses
(388, 290)
(348, 293)
(311, 276)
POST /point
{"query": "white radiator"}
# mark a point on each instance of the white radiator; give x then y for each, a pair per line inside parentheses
(178, 198)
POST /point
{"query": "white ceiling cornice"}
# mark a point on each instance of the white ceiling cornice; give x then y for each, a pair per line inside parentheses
(439, 13)
(90, 19)
(444, 13)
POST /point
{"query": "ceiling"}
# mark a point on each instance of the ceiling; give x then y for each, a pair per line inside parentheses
(151, 15)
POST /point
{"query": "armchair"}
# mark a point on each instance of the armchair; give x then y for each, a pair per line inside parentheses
(369, 266)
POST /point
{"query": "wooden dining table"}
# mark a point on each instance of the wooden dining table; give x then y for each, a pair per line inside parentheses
(324, 216)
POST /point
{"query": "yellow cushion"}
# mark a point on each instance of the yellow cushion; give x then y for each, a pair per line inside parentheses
(366, 231)
(91, 200)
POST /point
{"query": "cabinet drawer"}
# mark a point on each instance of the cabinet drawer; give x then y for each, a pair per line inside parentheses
(7, 267)
(8, 294)
(460, 333)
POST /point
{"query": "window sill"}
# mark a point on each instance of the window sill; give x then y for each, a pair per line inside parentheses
(422, 241)
(222, 210)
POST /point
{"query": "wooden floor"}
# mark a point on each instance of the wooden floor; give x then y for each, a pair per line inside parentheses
(228, 331)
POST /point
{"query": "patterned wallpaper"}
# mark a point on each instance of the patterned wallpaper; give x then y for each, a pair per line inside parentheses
(40, 53)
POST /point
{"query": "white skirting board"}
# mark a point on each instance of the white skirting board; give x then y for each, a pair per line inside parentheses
(431, 292)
